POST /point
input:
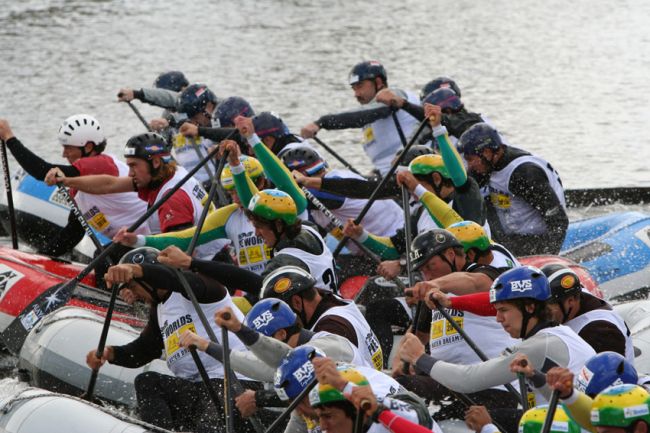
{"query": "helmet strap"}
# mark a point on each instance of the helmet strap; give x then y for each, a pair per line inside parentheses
(452, 265)
(153, 292)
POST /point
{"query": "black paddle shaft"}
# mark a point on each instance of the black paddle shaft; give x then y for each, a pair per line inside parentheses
(10, 197)
(382, 184)
(550, 414)
(294, 404)
(77, 212)
(138, 114)
(336, 155)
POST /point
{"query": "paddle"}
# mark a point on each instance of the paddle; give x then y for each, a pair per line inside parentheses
(59, 294)
(336, 155)
(227, 387)
(469, 402)
(360, 418)
(469, 341)
(236, 384)
(137, 113)
(381, 185)
(523, 389)
(10, 197)
(294, 404)
(550, 414)
(204, 376)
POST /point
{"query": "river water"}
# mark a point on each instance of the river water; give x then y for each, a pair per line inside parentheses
(565, 80)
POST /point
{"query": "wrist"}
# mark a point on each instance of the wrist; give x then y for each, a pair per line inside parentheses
(438, 130)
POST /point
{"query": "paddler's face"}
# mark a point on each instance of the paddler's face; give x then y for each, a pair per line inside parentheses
(364, 91)
(265, 232)
(510, 318)
(478, 163)
(554, 312)
(72, 153)
(334, 420)
(140, 172)
(234, 196)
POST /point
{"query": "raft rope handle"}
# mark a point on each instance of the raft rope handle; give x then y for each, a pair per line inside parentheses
(7, 406)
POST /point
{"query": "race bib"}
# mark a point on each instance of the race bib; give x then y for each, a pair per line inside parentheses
(442, 332)
(172, 341)
(99, 222)
(368, 135)
(501, 201)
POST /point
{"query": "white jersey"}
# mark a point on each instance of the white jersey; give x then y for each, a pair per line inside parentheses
(186, 155)
(579, 322)
(502, 257)
(177, 315)
(380, 138)
(107, 213)
(357, 357)
(197, 194)
(367, 341)
(251, 251)
(321, 266)
(515, 214)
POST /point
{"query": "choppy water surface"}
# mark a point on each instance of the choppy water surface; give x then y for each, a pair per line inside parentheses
(567, 80)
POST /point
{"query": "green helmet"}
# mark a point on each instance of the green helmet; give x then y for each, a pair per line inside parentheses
(273, 204)
(252, 167)
(470, 235)
(325, 394)
(621, 406)
(427, 164)
(533, 420)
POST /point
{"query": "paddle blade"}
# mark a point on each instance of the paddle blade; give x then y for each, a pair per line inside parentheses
(50, 300)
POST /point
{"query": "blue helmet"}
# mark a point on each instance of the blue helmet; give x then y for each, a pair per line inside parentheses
(295, 371)
(230, 108)
(368, 70)
(269, 124)
(304, 159)
(269, 316)
(478, 137)
(171, 80)
(445, 98)
(604, 370)
(194, 99)
(439, 83)
(524, 282)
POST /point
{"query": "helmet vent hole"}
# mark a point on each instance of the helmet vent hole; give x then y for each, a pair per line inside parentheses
(67, 133)
(77, 122)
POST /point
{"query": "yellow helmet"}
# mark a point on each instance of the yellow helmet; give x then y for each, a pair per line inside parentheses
(252, 167)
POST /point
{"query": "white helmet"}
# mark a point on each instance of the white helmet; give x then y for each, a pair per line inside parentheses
(79, 129)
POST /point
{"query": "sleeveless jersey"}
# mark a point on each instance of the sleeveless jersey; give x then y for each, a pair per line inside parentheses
(177, 315)
(380, 138)
(107, 213)
(514, 213)
(186, 155)
(368, 344)
(579, 322)
(321, 266)
(251, 252)
(357, 358)
(503, 258)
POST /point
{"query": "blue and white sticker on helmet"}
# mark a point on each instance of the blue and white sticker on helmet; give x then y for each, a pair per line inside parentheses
(521, 285)
(636, 411)
(493, 295)
(262, 320)
(583, 379)
(129, 151)
(354, 78)
(562, 426)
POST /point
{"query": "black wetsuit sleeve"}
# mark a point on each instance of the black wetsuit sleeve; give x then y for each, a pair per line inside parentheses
(529, 182)
(34, 164)
(229, 275)
(603, 336)
(144, 349)
(161, 276)
(66, 239)
(399, 241)
(469, 203)
(354, 119)
(220, 134)
(359, 188)
(414, 110)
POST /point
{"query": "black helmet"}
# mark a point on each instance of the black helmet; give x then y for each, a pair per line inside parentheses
(478, 137)
(446, 99)
(287, 281)
(230, 108)
(304, 159)
(194, 99)
(368, 70)
(171, 80)
(269, 124)
(141, 256)
(431, 243)
(439, 83)
(147, 145)
(414, 152)
(563, 281)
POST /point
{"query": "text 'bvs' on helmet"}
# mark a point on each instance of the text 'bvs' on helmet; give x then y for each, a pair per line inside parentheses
(295, 372)
(171, 80)
(273, 204)
(524, 282)
(80, 129)
(304, 159)
(228, 109)
(286, 281)
(431, 243)
(146, 146)
(470, 235)
(439, 83)
(621, 406)
(478, 137)
(446, 99)
(368, 70)
(603, 370)
(270, 315)
(194, 100)
(252, 166)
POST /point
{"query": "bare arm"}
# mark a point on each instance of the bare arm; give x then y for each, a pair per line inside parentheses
(463, 283)
(99, 184)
